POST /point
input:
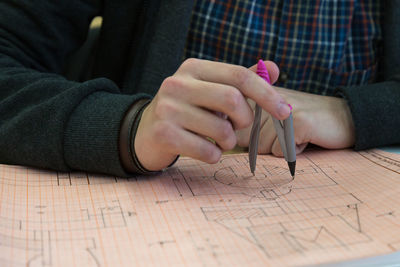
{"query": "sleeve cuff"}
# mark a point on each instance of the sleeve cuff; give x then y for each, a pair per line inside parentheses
(91, 138)
(374, 108)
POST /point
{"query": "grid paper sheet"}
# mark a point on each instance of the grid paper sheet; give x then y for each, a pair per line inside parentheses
(341, 205)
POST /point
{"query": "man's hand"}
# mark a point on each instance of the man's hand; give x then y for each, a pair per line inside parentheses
(186, 111)
(321, 120)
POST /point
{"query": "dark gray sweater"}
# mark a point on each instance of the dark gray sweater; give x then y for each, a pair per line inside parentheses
(50, 122)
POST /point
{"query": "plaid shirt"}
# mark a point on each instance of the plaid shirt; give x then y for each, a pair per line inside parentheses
(319, 45)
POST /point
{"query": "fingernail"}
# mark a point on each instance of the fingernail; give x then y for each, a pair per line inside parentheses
(284, 109)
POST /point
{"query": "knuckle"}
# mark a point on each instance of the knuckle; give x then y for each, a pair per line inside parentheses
(170, 84)
(190, 63)
(232, 99)
(244, 122)
(242, 76)
(226, 136)
(226, 130)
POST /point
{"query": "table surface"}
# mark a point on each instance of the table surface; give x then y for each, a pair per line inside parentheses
(392, 259)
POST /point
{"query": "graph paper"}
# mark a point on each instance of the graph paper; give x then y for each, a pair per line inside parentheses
(342, 205)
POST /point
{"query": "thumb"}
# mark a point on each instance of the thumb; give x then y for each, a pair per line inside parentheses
(272, 68)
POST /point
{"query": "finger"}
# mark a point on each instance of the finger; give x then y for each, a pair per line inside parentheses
(243, 135)
(272, 68)
(212, 96)
(267, 136)
(245, 80)
(207, 124)
(196, 147)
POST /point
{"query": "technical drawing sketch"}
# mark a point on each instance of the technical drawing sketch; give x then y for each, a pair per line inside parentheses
(341, 205)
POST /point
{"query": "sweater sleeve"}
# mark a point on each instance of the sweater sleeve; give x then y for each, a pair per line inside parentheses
(46, 120)
(375, 110)
(375, 107)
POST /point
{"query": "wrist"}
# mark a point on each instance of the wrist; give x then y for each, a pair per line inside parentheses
(149, 154)
(128, 130)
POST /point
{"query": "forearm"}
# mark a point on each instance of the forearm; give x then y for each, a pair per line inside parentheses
(50, 122)
(46, 120)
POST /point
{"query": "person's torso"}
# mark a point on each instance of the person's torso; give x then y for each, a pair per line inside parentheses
(318, 45)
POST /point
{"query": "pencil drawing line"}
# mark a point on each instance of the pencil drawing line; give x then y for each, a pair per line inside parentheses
(96, 260)
(184, 178)
(379, 164)
(174, 180)
(390, 213)
(317, 166)
(383, 156)
(236, 233)
(297, 246)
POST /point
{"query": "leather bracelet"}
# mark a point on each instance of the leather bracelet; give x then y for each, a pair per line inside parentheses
(128, 130)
